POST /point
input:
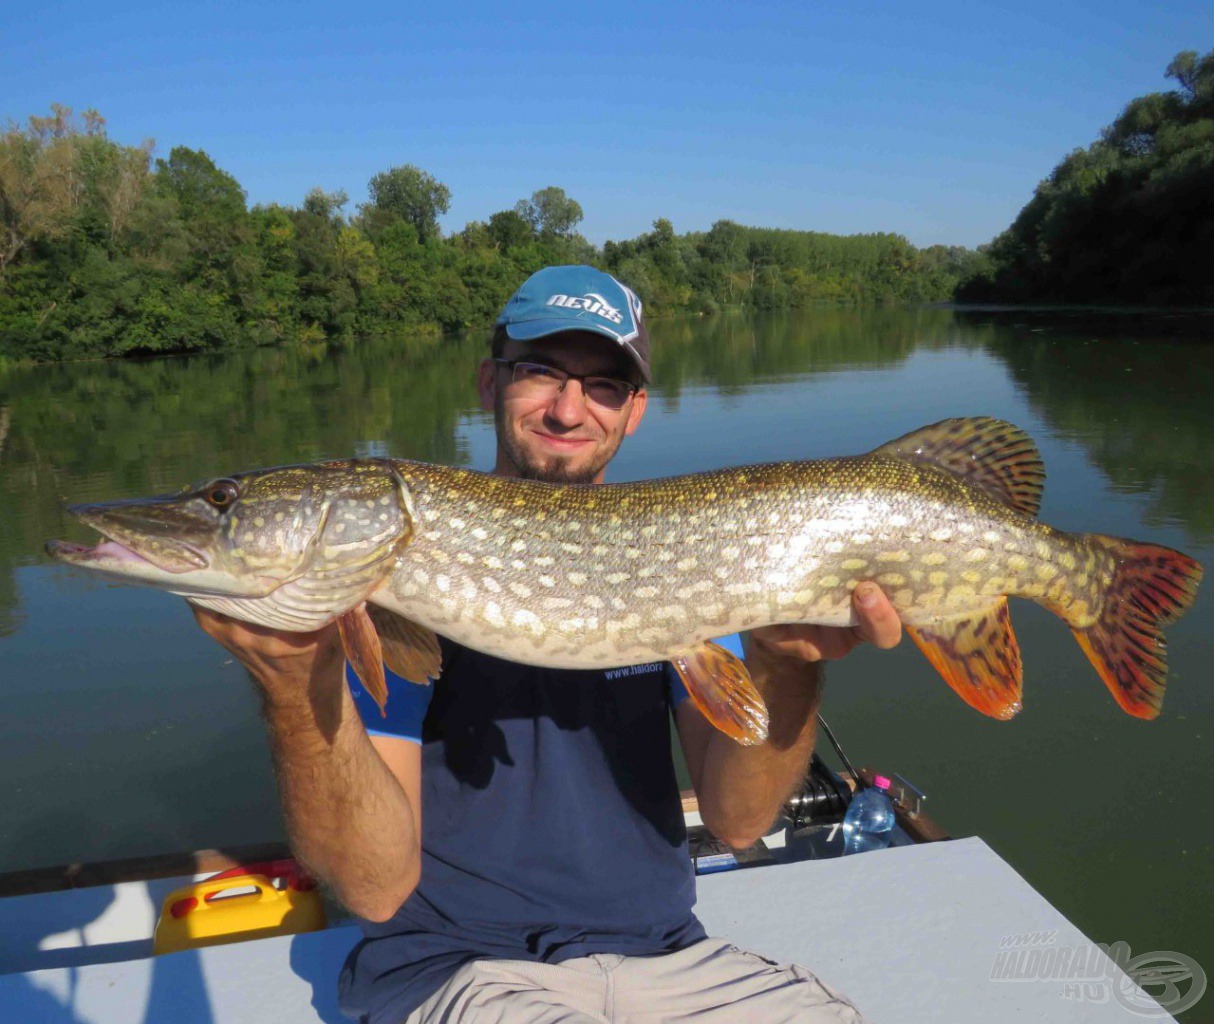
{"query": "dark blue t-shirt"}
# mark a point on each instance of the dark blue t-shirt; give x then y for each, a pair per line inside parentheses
(551, 825)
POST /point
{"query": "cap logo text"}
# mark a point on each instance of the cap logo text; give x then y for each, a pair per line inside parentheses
(591, 303)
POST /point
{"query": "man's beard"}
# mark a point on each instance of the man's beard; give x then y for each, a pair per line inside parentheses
(554, 470)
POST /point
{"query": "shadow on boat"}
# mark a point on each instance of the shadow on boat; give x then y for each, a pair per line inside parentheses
(58, 923)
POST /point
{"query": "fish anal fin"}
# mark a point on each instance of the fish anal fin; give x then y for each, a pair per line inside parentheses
(978, 657)
(365, 653)
(410, 650)
(992, 454)
(722, 689)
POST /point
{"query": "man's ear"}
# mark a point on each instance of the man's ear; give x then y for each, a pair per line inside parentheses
(486, 384)
(640, 402)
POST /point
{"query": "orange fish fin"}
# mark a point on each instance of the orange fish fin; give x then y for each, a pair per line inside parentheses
(722, 689)
(978, 657)
(410, 650)
(364, 652)
(991, 454)
(1152, 586)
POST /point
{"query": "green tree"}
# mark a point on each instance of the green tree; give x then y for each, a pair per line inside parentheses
(201, 189)
(550, 212)
(1195, 76)
(509, 229)
(40, 191)
(412, 195)
(328, 302)
(327, 205)
(217, 273)
(106, 255)
(275, 237)
(1130, 218)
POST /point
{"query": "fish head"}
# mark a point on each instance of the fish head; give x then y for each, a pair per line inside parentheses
(291, 547)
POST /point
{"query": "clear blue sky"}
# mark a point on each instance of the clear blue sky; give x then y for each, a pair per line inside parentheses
(934, 120)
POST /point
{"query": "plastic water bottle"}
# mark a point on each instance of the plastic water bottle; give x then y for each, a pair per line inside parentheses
(869, 821)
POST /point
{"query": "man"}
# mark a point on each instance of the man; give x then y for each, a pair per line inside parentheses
(512, 836)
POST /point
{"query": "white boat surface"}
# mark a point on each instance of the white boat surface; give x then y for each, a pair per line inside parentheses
(933, 933)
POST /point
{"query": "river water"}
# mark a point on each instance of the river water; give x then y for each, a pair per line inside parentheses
(127, 732)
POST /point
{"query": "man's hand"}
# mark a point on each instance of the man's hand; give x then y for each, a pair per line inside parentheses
(877, 624)
(275, 659)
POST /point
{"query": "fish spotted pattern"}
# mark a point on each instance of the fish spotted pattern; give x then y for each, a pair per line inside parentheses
(584, 576)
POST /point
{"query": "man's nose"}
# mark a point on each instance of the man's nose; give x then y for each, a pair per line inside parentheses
(569, 407)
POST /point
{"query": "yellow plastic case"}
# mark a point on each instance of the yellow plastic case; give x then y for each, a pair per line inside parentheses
(200, 915)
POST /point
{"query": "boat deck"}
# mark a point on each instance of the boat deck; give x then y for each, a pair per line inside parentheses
(913, 934)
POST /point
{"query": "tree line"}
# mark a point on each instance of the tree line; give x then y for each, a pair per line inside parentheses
(109, 251)
(106, 250)
(1128, 219)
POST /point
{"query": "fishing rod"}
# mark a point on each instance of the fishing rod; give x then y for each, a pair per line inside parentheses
(823, 795)
(860, 783)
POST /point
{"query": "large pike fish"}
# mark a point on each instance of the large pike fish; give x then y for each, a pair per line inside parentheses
(943, 520)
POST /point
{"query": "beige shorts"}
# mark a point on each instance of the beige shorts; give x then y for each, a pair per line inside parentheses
(711, 982)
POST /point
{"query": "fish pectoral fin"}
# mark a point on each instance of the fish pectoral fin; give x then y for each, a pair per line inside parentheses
(365, 653)
(410, 650)
(988, 453)
(978, 656)
(722, 689)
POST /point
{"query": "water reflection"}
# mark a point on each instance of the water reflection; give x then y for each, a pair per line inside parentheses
(732, 352)
(1133, 390)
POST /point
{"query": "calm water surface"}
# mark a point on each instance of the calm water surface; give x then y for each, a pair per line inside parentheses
(128, 732)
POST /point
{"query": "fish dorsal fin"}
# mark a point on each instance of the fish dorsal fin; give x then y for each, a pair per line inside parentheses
(410, 650)
(978, 657)
(991, 454)
(722, 689)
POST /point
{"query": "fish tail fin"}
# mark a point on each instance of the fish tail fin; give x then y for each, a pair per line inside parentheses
(1151, 587)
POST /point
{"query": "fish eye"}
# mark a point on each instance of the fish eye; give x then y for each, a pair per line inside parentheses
(221, 494)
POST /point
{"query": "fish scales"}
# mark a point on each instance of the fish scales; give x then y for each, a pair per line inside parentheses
(627, 571)
(942, 519)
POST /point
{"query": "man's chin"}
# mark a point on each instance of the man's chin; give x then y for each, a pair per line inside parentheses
(560, 471)
(557, 469)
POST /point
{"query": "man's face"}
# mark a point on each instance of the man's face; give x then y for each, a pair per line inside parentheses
(564, 439)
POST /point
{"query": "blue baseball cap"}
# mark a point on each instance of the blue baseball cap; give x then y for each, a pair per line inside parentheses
(559, 299)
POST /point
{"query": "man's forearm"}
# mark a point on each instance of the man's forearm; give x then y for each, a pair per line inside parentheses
(742, 788)
(348, 818)
(353, 820)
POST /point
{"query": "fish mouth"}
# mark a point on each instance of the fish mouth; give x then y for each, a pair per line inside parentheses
(115, 557)
(151, 541)
(135, 541)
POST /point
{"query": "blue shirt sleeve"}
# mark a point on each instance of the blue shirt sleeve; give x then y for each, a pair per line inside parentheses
(406, 708)
(678, 692)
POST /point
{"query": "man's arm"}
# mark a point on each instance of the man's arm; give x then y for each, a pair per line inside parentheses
(352, 803)
(741, 789)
